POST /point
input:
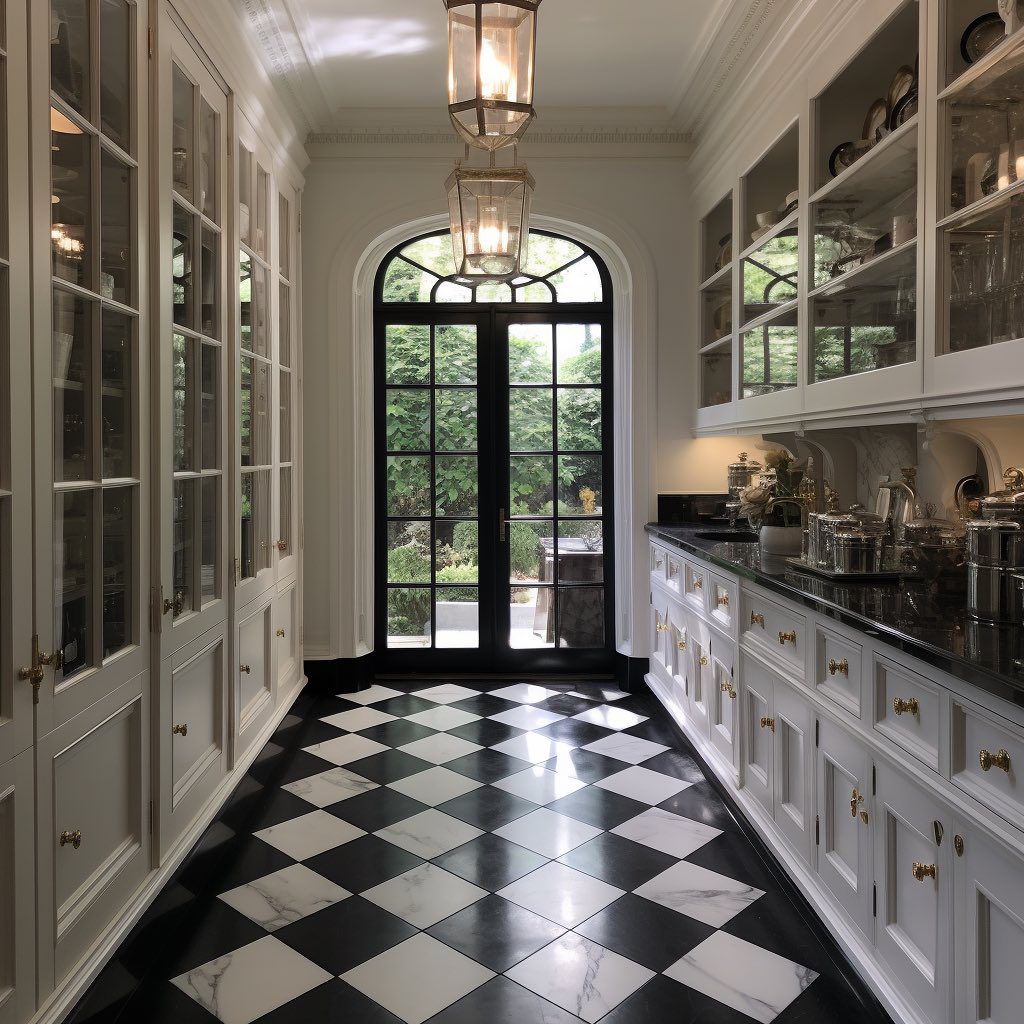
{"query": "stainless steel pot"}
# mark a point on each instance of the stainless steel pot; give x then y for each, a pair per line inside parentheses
(996, 542)
(858, 551)
(995, 595)
(1003, 506)
(829, 524)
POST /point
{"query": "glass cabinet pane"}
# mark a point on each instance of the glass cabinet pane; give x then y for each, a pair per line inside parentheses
(284, 334)
(284, 236)
(117, 234)
(254, 413)
(116, 365)
(183, 92)
(71, 211)
(255, 523)
(183, 566)
(285, 499)
(285, 442)
(252, 290)
(715, 378)
(117, 569)
(209, 574)
(70, 73)
(115, 73)
(208, 154)
(770, 357)
(770, 275)
(210, 285)
(210, 426)
(183, 374)
(262, 233)
(181, 267)
(73, 544)
(72, 387)
(244, 193)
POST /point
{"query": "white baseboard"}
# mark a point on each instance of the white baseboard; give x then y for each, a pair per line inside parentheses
(64, 998)
(854, 945)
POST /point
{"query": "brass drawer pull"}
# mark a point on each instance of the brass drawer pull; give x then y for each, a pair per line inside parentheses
(180, 730)
(280, 633)
(681, 645)
(723, 600)
(729, 689)
(922, 871)
(71, 838)
(787, 638)
(1000, 759)
(768, 723)
(704, 660)
(757, 619)
(839, 667)
(905, 707)
(244, 668)
(698, 583)
(661, 627)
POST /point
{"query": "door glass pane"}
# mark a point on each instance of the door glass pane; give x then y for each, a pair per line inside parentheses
(529, 419)
(72, 387)
(255, 523)
(116, 236)
(210, 426)
(531, 611)
(284, 330)
(209, 573)
(285, 513)
(183, 565)
(408, 551)
(116, 363)
(407, 420)
(581, 617)
(183, 388)
(455, 354)
(208, 155)
(456, 552)
(457, 617)
(529, 558)
(408, 485)
(530, 352)
(117, 569)
(209, 268)
(73, 545)
(71, 208)
(409, 623)
(579, 419)
(407, 354)
(70, 73)
(183, 134)
(455, 419)
(455, 485)
(579, 353)
(531, 485)
(181, 267)
(244, 193)
(115, 79)
(580, 551)
(579, 484)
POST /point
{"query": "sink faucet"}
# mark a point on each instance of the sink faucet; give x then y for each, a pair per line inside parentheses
(899, 513)
(801, 503)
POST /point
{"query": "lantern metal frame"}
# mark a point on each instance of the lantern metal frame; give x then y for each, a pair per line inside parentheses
(481, 139)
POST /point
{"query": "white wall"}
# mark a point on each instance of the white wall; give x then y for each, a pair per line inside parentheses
(634, 195)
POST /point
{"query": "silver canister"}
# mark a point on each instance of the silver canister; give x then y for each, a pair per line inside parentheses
(995, 594)
(995, 542)
(858, 551)
(829, 524)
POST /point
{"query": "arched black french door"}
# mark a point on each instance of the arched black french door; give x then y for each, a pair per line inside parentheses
(494, 469)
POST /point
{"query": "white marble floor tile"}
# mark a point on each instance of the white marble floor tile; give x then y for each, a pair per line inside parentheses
(248, 983)
(443, 717)
(610, 718)
(639, 783)
(429, 833)
(371, 695)
(630, 749)
(440, 748)
(344, 749)
(548, 833)
(533, 747)
(309, 834)
(539, 785)
(527, 717)
(424, 895)
(446, 693)
(670, 833)
(417, 978)
(525, 693)
(698, 893)
(600, 693)
(330, 787)
(746, 977)
(581, 976)
(285, 896)
(561, 894)
(435, 786)
(358, 718)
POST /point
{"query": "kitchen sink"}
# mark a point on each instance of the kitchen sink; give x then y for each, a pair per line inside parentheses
(729, 536)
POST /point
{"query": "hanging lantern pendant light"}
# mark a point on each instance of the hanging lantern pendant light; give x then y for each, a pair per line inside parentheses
(491, 66)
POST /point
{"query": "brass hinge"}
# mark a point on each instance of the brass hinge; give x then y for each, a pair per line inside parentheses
(874, 781)
(817, 731)
(152, 43)
(156, 604)
(874, 900)
(817, 830)
(238, 573)
(151, 815)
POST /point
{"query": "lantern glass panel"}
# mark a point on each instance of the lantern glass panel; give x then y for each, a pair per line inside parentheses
(489, 217)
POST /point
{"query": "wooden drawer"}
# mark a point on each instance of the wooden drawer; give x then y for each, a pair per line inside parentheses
(778, 631)
(723, 600)
(696, 586)
(286, 635)
(659, 562)
(674, 571)
(908, 710)
(838, 674)
(988, 759)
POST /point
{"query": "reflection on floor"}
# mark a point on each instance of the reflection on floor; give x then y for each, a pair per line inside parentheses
(477, 853)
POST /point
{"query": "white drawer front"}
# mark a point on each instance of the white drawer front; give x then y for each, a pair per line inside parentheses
(988, 760)
(286, 633)
(674, 571)
(659, 559)
(908, 710)
(723, 600)
(197, 699)
(696, 586)
(779, 631)
(837, 669)
(254, 683)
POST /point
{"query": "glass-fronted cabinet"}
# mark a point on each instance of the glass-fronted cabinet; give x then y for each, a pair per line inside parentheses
(286, 363)
(717, 272)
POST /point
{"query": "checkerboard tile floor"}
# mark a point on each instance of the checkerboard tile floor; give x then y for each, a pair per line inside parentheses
(459, 853)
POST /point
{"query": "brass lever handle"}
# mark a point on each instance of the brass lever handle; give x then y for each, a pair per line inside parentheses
(54, 661)
(787, 638)
(839, 667)
(698, 583)
(768, 723)
(905, 707)
(1000, 759)
(71, 838)
(856, 799)
(244, 668)
(178, 604)
(922, 871)
(723, 600)
(757, 619)
(180, 730)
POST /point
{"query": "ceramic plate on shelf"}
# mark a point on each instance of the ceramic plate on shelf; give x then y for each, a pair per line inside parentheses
(900, 87)
(904, 110)
(982, 36)
(724, 252)
(876, 121)
(840, 158)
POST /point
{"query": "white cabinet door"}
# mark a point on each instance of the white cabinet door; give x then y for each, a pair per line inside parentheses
(757, 687)
(678, 654)
(723, 697)
(286, 638)
(255, 681)
(792, 767)
(913, 844)
(844, 815)
(700, 689)
(17, 909)
(659, 634)
(989, 931)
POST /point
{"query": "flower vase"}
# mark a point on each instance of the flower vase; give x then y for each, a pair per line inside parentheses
(782, 540)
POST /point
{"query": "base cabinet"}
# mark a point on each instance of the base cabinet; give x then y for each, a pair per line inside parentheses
(254, 680)
(17, 870)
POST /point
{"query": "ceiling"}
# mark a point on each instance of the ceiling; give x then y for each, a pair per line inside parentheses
(347, 61)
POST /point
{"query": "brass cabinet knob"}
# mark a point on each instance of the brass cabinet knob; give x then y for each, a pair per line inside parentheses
(787, 638)
(698, 583)
(723, 600)
(958, 845)
(757, 619)
(681, 645)
(922, 871)
(177, 604)
(1000, 759)
(71, 838)
(54, 660)
(768, 723)
(280, 633)
(282, 545)
(661, 627)
(180, 730)
(841, 668)
(704, 660)
(244, 668)
(905, 707)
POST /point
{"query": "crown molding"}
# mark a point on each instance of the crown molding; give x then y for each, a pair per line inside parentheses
(634, 136)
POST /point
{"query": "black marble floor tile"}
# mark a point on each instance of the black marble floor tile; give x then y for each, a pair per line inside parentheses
(732, 854)
(702, 803)
(572, 730)
(484, 704)
(490, 862)
(388, 766)
(162, 1003)
(501, 1001)
(618, 861)
(598, 807)
(496, 933)
(398, 732)
(331, 1003)
(487, 808)
(657, 730)
(212, 929)
(269, 807)
(487, 765)
(377, 809)
(567, 704)
(228, 859)
(676, 763)
(830, 999)
(107, 996)
(404, 705)
(288, 766)
(304, 732)
(345, 935)
(664, 1000)
(485, 732)
(645, 932)
(587, 766)
(363, 863)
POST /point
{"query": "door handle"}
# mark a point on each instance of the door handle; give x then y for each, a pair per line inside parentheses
(502, 526)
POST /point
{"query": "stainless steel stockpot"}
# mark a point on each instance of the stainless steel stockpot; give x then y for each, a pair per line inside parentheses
(994, 594)
(858, 551)
(996, 542)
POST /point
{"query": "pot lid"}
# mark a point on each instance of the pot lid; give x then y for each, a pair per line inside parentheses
(744, 465)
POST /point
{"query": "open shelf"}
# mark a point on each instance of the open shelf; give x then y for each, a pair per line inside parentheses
(720, 280)
(717, 346)
(977, 79)
(883, 270)
(983, 207)
(785, 315)
(716, 250)
(787, 224)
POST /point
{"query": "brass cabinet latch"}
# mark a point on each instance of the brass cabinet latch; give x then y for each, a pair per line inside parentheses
(787, 638)
(922, 871)
(841, 668)
(280, 633)
(1000, 759)
(856, 799)
(757, 619)
(905, 707)
(180, 730)
(282, 546)
(71, 838)
(768, 723)
(723, 600)
(34, 673)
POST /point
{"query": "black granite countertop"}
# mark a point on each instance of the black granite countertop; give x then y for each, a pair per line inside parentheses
(924, 620)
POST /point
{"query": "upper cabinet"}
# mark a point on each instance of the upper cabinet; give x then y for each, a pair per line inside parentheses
(877, 228)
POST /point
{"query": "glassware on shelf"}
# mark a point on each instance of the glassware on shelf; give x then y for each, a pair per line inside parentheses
(716, 378)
